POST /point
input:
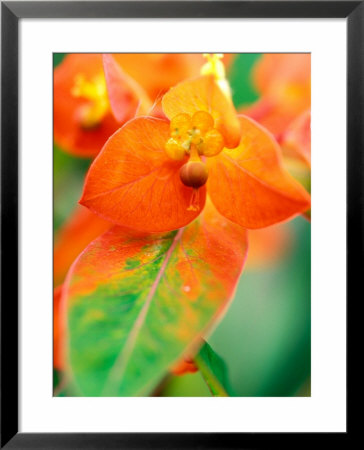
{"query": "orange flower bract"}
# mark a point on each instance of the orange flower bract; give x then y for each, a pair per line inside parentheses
(135, 183)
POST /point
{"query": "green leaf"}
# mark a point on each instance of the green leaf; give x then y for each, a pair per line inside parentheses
(214, 371)
(136, 305)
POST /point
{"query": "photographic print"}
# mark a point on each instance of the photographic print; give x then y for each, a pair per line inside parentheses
(181, 215)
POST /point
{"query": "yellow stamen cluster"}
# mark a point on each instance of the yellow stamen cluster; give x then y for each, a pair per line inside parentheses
(92, 113)
(193, 133)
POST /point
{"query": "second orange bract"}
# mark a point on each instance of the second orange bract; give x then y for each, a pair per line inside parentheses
(152, 174)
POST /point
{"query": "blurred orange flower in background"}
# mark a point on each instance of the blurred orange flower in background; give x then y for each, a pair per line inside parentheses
(284, 83)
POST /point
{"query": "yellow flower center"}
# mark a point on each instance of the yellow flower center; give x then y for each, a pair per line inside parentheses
(94, 90)
(194, 136)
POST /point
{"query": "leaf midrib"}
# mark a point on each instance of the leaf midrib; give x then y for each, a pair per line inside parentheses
(117, 371)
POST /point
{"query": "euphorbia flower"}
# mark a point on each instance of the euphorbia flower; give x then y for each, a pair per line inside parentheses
(284, 83)
(83, 117)
(152, 174)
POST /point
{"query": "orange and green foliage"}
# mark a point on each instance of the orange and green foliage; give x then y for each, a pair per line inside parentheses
(148, 265)
(174, 287)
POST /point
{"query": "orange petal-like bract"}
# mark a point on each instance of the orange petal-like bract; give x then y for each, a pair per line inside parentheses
(125, 94)
(68, 132)
(136, 306)
(296, 141)
(135, 184)
(249, 186)
(81, 228)
(204, 94)
(284, 82)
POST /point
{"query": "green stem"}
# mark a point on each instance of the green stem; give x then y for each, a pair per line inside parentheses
(211, 381)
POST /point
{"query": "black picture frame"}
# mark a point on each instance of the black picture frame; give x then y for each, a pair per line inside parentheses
(11, 12)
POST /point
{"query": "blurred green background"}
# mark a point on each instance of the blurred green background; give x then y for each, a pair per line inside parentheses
(265, 337)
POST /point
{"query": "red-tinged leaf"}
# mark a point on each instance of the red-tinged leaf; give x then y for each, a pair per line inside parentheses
(80, 229)
(249, 185)
(133, 183)
(136, 306)
(126, 96)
